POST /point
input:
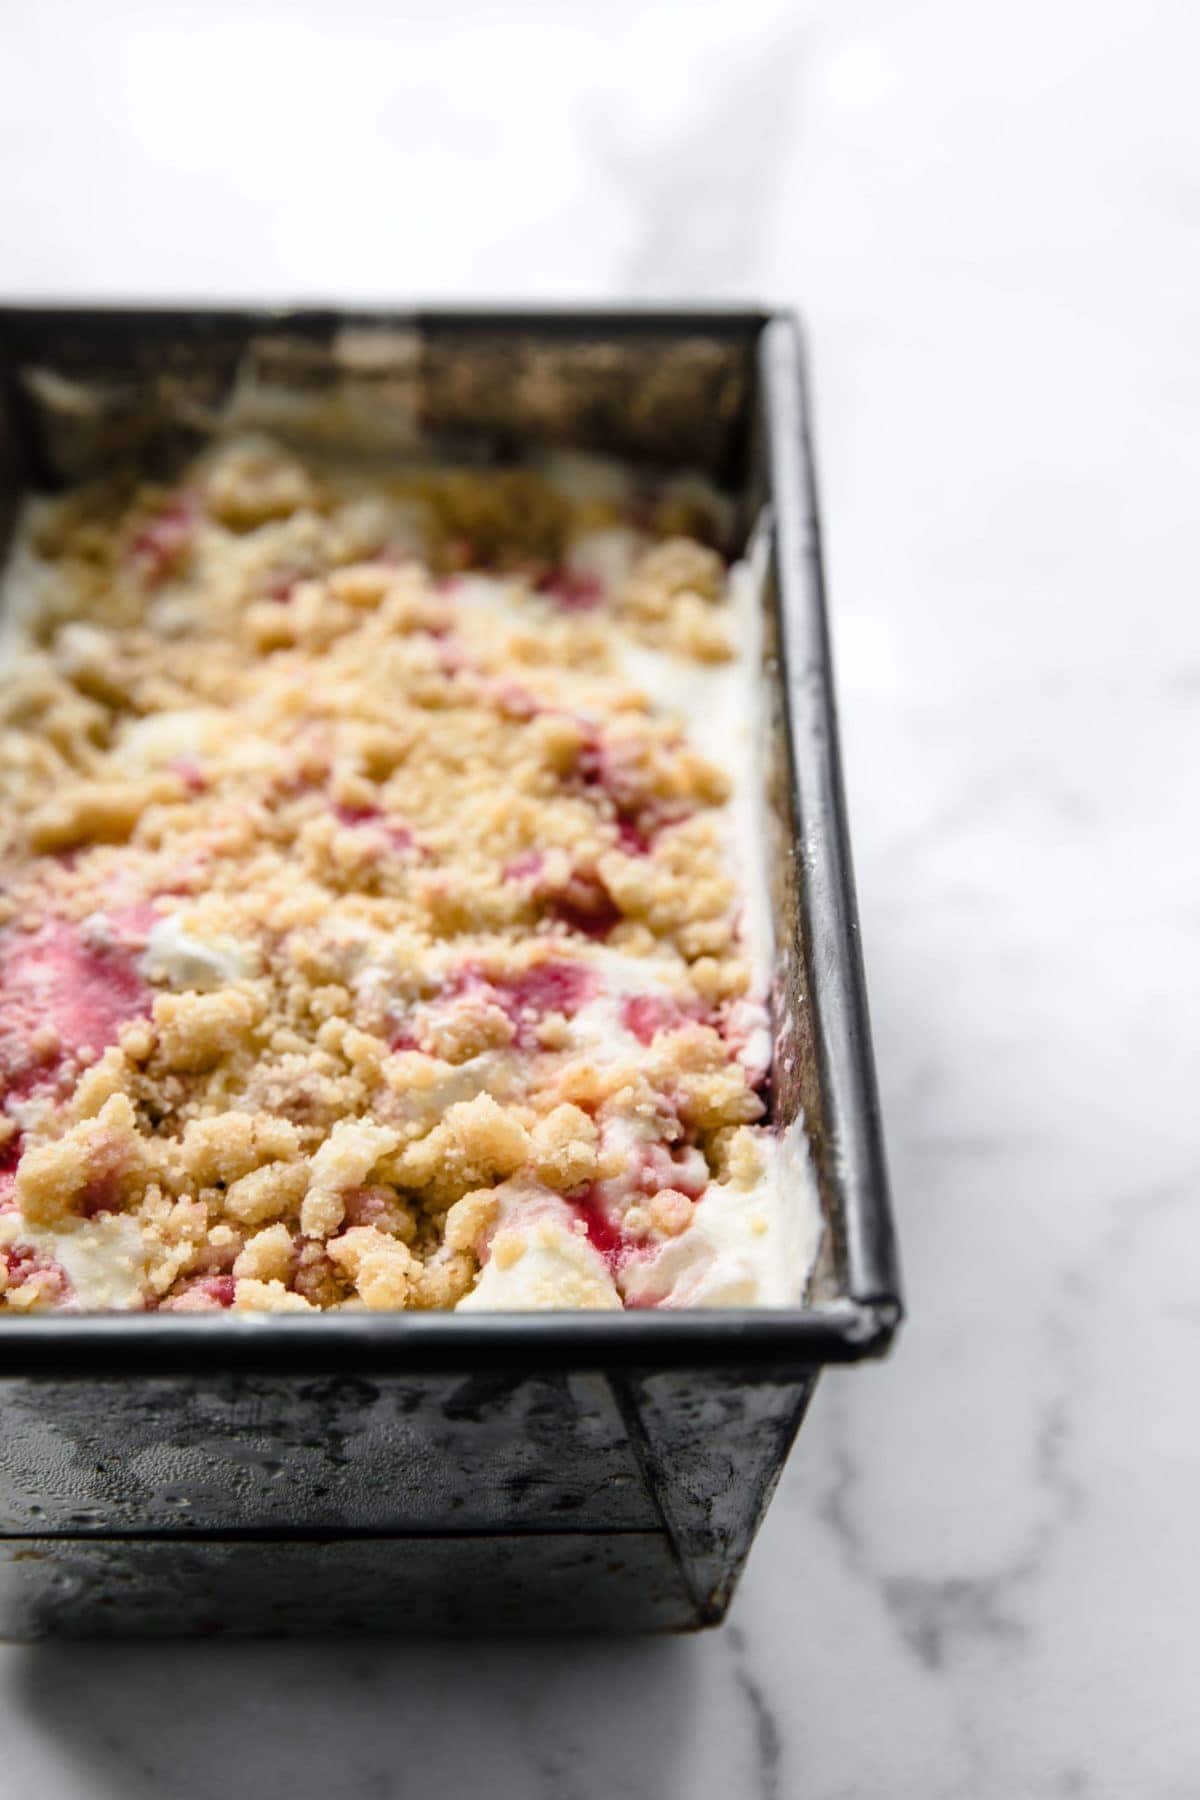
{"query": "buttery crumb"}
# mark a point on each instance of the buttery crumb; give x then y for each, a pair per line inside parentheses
(366, 927)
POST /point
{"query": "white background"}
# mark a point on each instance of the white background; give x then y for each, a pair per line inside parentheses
(980, 1575)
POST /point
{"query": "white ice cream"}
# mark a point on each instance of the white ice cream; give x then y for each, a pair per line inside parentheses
(597, 1030)
(540, 1260)
(160, 739)
(104, 1258)
(178, 958)
(744, 1246)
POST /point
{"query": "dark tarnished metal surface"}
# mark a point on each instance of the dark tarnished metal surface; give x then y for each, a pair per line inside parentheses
(712, 1447)
(114, 1587)
(389, 1453)
(94, 387)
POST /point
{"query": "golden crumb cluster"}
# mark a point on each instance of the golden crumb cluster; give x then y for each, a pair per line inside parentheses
(363, 919)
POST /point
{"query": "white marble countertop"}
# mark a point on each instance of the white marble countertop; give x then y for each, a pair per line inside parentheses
(979, 1576)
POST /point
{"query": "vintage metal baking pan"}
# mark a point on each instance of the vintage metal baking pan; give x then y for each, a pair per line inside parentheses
(165, 1474)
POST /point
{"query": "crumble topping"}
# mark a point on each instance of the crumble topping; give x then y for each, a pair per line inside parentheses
(372, 928)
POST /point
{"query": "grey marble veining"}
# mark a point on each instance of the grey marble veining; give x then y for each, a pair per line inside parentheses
(978, 1578)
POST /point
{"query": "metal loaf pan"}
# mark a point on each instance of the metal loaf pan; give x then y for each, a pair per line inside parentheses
(166, 1474)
